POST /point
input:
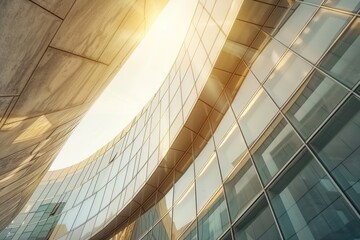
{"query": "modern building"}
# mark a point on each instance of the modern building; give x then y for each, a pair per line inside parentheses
(254, 134)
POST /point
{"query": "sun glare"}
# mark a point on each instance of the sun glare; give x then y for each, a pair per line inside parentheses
(134, 85)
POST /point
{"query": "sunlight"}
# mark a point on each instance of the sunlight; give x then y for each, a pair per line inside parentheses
(134, 85)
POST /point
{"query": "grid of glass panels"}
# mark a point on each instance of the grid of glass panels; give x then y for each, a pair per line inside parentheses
(284, 161)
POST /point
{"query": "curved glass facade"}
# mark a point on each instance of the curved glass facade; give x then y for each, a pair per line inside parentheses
(254, 134)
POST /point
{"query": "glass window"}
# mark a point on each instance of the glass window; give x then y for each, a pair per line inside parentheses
(257, 223)
(349, 5)
(84, 211)
(70, 217)
(275, 148)
(231, 150)
(257, 116)
(190, 233)
(186, 204)
(242, 187)
(162, 230)
(286, 77)
(207, 182)
(164, 205)
(308, 206)
(343, 59)
(295, 23)
(267, 59)
(184, 182)
(338, 147)
(247, 90)
(203, 158)
(97, 202)
(313, 102)
(319, 34)
(214, 220)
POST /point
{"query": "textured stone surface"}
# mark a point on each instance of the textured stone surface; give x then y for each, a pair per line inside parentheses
(26, 30)
(90, 25)
(69, 81)
(58, 7)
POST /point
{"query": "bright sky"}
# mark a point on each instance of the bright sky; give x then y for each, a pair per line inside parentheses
(133, 86)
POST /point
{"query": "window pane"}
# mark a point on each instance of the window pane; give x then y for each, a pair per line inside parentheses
(247, 90)
(190, 233)
(214, 219)
(257, 223)
(186, 205)
(313, 102)
(287, 76)
(163, 228)
(207, 182)
(343, 59)
(350, 5)
(295, 23)
(319, 34)
(278, 144)
(241, 188)
(231, 150)
(267, 59)
(308, 206)
(257, 115)
(338, 147)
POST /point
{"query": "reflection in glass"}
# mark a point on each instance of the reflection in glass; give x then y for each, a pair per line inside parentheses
(267, 59)
(338, 147)
(186, 204)
(231, 150)
(247, 90)
(257, 115)
(319, 34)
(343, 59)
(214, 219)
(257, 223)
(349, 5)
(308, 206)
(207, 182)
(295, 23)
(190, 233)
(314, 101)
(286, 77)
(275, 148)
(242, 186)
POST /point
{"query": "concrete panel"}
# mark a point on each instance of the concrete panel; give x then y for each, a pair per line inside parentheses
(69, 80)
(125, 32)
(22, 49)
(4, 104)
(19, 135)
(58, 7)
(90, 25)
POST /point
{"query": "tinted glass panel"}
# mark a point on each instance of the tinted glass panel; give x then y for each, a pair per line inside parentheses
(231, 150)
(241, 188)
(257, 115)
(286, 77)
(257, 223)
(314, 101)
(278, 144)
(308, 206)
(213, 222)
(319, 34)
(343, 59)
(338, 147)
